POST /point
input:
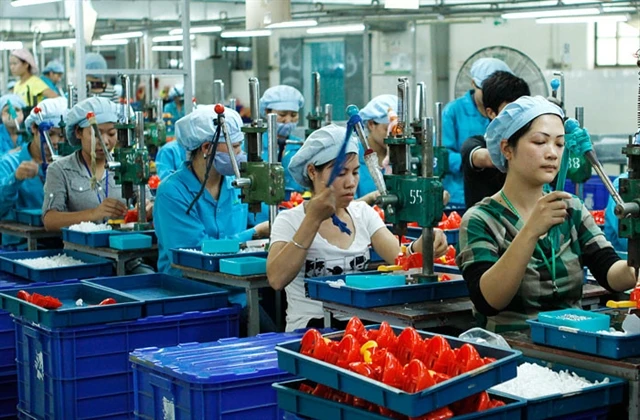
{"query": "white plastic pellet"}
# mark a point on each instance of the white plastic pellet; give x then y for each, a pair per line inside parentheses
(573, 317)
(79, 302)
(535, 381)
(55, 261)
(88, 227)
(336, 284)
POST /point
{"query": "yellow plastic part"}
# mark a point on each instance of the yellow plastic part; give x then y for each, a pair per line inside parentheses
(306, 194)
(621, 304)
(388, 268)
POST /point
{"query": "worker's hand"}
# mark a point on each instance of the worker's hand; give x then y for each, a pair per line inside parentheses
(149, 209)
(446, 197)
(27, 170)
(439, 243)
(262, 230)
(322, 206)
(549, 211)
(110, 208)
(370, 198)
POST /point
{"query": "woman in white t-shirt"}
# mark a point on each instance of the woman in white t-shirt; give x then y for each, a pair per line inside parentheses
(304, 240)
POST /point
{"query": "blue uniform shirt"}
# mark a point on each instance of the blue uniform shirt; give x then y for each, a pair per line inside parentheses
(611, 221)
(170, 158)
(15, 194)
(171, 108)
(460, 120)
(51, 85)
(6, 143)
(225, 218)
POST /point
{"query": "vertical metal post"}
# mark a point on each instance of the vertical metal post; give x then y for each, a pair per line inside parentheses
(254, 89)
(328, 114)
(81, 74)
(186, 56)
(580, 118)
(218, 91)
(439, 124)
(427, 172)
(421, 103)
(142, 195)
(272, 150)
(317, 108)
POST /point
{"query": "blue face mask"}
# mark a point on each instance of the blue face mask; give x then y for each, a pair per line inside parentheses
(285, 129)
(223, 165)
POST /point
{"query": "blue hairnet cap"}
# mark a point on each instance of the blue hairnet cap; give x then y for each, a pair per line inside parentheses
(281, 98)
(485, 67)
(198, 127)
(378, 109)
(320, 147)
(177, 90)
(104, 110)
(50, 111)
(94, 61)
(53, 66)
(15, 100)
(512, 118)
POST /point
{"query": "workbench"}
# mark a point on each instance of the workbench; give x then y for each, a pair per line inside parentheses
(31, 233)
(119, 256)
(628, 369)
(430, 314)
(251, 284)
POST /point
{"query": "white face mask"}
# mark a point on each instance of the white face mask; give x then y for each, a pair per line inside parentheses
(223, 165)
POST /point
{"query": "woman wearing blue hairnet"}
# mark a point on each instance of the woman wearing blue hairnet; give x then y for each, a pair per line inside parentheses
(514, 261)
(22, 171)
(52, 75)
(11, 110)
(175, 106)
(305, 242)
(185, 219)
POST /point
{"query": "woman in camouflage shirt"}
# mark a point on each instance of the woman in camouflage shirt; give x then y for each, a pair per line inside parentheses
(513, 267)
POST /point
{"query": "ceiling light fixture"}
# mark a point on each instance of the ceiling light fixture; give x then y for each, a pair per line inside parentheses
(170, 38)
(10, 45)
(244, 34)
(236, 49)
(175, 48)
(197, 30)
(20, 3)
(359, 27)
(108, 42)
(551, 13)
(123, 35)
(583, 19)
(58, 43)
(293, 24)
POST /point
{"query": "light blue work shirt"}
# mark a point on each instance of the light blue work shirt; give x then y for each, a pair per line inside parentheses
(52, 85)
(6, 143)
(16, 194)
(170, 158)
(225, 218)
(171, 108)
(611, 221)
(460, 120)
(289, 183)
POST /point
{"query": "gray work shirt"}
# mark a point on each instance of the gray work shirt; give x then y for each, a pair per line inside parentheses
(68, 186)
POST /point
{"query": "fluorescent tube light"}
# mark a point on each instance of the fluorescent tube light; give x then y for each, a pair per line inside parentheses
(583, 19)
(109, 42)
(238, 49)
(244, 34)
(20, 3)
(170, 38)
(176, 48)
(10, 45)
(197, 30)
(551, 13)
(402, 4)
(293, 24)
(55, 43)
(123, 35)
(359, 27)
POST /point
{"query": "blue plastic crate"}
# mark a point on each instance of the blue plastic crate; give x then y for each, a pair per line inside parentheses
(597, 414)
(71, 315)
(8, 395)
(92, 239)
(243, 266)
(594, 321)
(562, 405)
(207, 262)
(92, 267)
(227, 379)
(452, 236)
(447, 269)
(130, 241)
(165, 295)
(7, 342)
(319, 289)
(297, 402)
(81, 373)
(31, 217)
(603, 345)
(596, 195)
(444, 393)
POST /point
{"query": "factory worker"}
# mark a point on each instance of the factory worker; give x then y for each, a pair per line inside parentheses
(98, 85)
(22, 171)
(52, 75)
(463, 118)
(286, 102)
(508, 258)
(481, 178)
(170, 158)
(9, 137)
(184, 217)
(175, 106)
(304, 240)
(29, 86)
